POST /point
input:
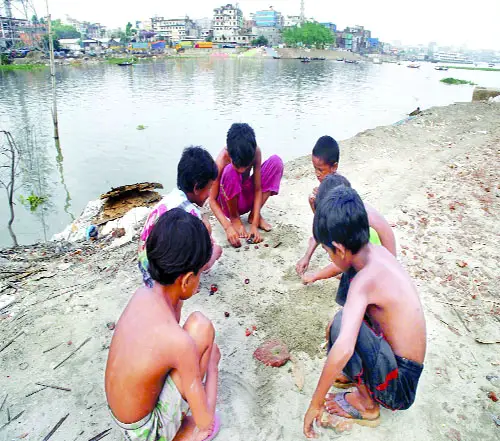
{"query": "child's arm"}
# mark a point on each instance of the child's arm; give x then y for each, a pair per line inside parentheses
(231, 234)
(303, 263)
(383, 229)
(327, 272)
(340, 354)
(257, 202)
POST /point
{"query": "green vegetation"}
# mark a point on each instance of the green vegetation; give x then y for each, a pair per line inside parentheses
(9, 67)
(456, 81)
(32, 201)
(112, 60)
(309, 34)
(141, 127)
(486, 69)
(64, 31)
(261, 41)
(4, 59)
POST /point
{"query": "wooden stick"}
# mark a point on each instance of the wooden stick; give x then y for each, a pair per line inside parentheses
(3, 402)
(35, 392)
(54, 387)
(50, 349)
(101, 435)
(13, 419)
(73, 353)
(56, 427)
(6, 345)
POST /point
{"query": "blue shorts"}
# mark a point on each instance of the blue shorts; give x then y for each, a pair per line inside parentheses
(391, 380)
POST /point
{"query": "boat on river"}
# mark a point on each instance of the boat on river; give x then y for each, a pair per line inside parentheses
(126, 63)
(445, 68)
(351, 61)
(305, 60)
(414, 65)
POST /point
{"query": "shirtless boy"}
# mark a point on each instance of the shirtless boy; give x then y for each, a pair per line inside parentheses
(237, 191)
(378, 340)
(380, 233)
(156, 368)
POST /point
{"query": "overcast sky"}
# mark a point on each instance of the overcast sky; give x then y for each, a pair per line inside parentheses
(476, 24)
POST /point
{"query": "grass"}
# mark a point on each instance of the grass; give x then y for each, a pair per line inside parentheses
(120, 60)
(486, 69)
(10, 67)
(456, 81)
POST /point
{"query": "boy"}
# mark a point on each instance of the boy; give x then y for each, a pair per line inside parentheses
(325, 159)
(380, 234)
(155, 368)
(196, 173)
(378, 340)
(236, 191)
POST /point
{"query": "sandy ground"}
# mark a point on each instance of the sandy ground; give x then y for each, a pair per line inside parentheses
(435, 178)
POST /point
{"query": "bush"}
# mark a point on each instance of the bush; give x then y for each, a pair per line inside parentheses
(456, 81)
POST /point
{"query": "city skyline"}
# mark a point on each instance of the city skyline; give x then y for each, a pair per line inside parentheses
(418, 23)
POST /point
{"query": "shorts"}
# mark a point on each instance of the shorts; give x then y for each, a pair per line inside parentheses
(163, 422)
(391, 380)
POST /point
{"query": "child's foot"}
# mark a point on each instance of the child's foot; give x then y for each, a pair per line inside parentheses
(342, 382)
(239, 228)
(263, 224)
(352, 405)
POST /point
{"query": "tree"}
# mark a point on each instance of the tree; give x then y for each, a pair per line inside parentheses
(210, 38)
(9, 156)
(128, 29)
(57, 45)
(34, 20)
(64, 31)
(309, 34)
(261, 41)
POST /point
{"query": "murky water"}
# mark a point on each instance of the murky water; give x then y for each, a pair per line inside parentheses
(184, 102)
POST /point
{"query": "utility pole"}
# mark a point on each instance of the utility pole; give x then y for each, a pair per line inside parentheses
(52, 74)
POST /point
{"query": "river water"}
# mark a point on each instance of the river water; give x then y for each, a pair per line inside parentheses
(189, 102)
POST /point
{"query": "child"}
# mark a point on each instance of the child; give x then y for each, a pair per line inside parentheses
(236, 191)
(325, 159)
(156, 368)
(382, 354)
(196, 173)
(380, 233)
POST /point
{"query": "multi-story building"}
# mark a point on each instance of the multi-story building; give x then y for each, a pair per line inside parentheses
(332, 27)
(12, 30)
(87, 29)
(228, 23)
(268, 19)
(175, 29)
(205, 26)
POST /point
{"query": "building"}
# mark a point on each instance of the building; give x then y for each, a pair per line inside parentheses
(268, 19)
(205, 27)
(332, 27)
(228, 23)
(291, 20)
(272, 34)
(175, 30)
(87, 29)
(11, 30)
(70, 44)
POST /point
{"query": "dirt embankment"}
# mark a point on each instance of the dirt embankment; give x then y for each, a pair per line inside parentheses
(435, 178)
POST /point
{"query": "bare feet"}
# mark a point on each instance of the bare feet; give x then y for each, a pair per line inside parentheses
(263, 224)
(239, 228)
(368, 408)
(341, 379)
(216, 253)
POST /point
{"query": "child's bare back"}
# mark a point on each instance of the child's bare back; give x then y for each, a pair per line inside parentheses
(393, 303)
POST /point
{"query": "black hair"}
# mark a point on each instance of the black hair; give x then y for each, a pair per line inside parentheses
(331, 181)
(327, 149)
(341, 217)
(178, 244)
(196, 169)
(241, 144)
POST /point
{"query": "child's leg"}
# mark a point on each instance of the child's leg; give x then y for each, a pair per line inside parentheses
(202, 331)
(229, 197)
(271, 174)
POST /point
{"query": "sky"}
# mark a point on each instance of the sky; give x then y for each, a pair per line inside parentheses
(476, 26)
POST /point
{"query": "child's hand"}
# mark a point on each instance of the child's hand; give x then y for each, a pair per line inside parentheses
(233, 237)
(254, 231)
(302, 266)
(240, 229)
(308, 278)
(312, 415)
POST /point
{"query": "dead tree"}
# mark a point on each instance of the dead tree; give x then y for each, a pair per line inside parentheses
(9, 163)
